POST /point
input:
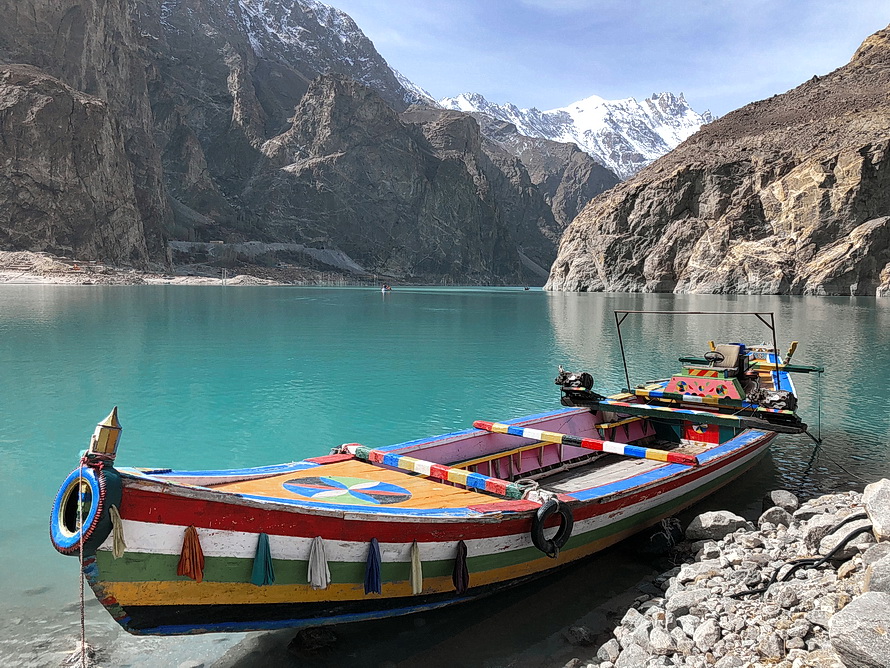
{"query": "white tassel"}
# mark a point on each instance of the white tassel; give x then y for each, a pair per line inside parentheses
(319, 575)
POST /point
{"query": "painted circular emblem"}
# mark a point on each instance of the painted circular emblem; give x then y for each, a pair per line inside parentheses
(339, 489)
(681, 385)
(720, 390)
(700, 428)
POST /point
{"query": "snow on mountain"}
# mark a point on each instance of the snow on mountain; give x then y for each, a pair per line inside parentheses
(624, 135)
(314, 37)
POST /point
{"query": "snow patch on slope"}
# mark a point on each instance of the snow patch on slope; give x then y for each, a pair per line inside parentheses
(624, 135)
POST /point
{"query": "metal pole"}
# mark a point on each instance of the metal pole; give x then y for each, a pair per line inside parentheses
(621, 344)
(772, 326)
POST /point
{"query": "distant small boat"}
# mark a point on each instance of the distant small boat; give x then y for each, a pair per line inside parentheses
(366, 533)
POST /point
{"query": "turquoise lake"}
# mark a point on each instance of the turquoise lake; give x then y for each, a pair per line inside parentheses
(222, 377)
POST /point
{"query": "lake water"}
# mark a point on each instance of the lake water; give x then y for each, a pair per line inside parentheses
(235, 376)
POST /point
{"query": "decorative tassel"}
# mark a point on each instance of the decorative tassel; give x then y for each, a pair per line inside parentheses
(319, 575)
(461, 576)
(263, 573)
(119, 546)
(416, 577)
(372, 570)
(191, 560)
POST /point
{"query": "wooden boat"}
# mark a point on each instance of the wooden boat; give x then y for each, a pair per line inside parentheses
(366, 533)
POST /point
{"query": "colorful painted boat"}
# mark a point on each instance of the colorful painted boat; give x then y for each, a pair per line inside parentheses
(368, 533)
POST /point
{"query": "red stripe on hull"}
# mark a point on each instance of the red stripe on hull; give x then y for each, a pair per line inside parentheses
(162, 507)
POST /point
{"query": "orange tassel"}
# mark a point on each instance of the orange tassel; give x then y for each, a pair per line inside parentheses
(191, 560)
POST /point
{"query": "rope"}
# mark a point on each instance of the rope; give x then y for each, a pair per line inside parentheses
(812, 562)
(83, 629)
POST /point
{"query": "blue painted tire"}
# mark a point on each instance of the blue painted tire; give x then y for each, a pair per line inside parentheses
(101, 490)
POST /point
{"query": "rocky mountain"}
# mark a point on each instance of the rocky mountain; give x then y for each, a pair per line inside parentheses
(623, 135)
(264, 120)
(789, 195)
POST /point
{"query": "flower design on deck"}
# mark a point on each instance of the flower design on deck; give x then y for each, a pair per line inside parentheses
(340, 489)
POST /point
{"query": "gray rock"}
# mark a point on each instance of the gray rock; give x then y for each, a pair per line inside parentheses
(688, 624)
(860, 633)
(684, 602)
(771, 647)
(730, 661)
(699, 571)
(660, 642)
(816, 529)
(775, 516)
(609, 651)
(640, 634)
(706, 635)
(852, 548)
(876, 499)
(715, 525)
(877, 576)
(580, 636)
(782, 499)
(632, 657)
(632, 618)
(875, 553)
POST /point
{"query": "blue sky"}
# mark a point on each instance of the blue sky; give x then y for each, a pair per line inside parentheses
(547, 53)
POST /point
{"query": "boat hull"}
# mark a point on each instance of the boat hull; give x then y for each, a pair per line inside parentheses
(145, 595)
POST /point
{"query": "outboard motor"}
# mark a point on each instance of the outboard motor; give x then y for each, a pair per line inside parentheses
(782, 400)
(576, 388)
(574, 380)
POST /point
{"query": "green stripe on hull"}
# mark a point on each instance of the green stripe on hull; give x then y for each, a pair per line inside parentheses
(147, 567)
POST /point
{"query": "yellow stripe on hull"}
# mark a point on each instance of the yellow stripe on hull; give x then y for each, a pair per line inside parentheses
(188, 592)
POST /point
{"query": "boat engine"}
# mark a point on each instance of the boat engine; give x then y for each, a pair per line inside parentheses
(576, 388)
(782, 400)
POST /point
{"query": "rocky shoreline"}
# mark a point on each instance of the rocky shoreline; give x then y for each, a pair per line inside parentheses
(796, 591)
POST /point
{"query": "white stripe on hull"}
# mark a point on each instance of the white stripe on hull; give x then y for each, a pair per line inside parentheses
(154, 538)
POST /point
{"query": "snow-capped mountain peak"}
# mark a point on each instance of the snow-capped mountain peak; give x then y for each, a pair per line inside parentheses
(624, 135)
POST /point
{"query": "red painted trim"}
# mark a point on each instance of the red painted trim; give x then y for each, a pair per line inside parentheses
(164, 507)
(330, 459)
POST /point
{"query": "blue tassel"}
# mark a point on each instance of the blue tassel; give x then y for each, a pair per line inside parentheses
(262, 563)
(372, 571)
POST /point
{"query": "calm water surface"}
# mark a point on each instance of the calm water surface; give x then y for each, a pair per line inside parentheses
(236, 376)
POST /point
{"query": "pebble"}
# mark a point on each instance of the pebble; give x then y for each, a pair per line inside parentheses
(688, 618)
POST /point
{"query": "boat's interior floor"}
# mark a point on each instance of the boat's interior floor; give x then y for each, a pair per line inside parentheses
(609, 468)
(356, 482)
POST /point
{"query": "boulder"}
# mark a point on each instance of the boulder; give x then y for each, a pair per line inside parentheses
(860, 633)
(877, 577)
(715, 525)
(782, 499)
(775, 516)
(875, 553)
(853, 546)
(632, 657)
(609, 651)
(816, 529)
(876, 499)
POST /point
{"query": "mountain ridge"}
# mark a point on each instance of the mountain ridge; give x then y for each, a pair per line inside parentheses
(788, 195)
(623, 135)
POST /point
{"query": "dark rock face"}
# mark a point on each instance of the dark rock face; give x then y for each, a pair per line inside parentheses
(94, 48)
(416, 198)
(211, 128)
(72, 197)
(788, 195)
(567, 177)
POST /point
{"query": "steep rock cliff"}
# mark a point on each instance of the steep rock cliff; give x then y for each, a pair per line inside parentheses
(405, 198)
(567, 177)
(65, 184)
(786, 195)
(94, 47)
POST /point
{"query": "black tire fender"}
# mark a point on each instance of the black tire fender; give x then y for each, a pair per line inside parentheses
(551, 546)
